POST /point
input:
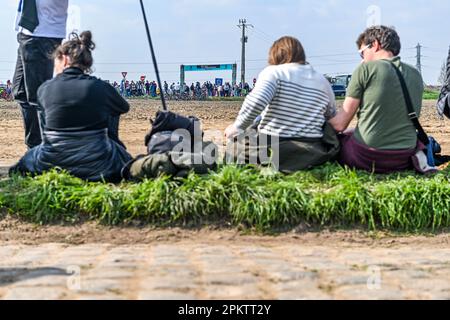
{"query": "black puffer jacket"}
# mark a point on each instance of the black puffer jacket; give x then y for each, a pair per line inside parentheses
(89, 155)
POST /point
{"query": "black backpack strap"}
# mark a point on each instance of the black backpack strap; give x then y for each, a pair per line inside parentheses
(421, 134)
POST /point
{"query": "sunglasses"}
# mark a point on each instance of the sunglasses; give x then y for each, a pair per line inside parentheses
(361, 52)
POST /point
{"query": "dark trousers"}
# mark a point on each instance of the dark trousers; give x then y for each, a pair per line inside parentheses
(285, 155)
(34, 66)
(357, 155)
(33, 123)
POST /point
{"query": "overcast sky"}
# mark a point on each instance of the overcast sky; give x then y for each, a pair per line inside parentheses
(205, 31)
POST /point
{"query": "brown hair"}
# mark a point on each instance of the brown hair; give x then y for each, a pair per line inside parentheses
(387, 37)
(79, 49)
(287, 50)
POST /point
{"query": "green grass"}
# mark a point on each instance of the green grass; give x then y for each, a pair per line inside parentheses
(430, 94)
(249, 197)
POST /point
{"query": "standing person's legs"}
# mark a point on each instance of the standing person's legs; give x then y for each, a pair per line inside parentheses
(29, 113)
(34, 67)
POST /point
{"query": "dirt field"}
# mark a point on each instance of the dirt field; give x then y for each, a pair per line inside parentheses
(134, 126)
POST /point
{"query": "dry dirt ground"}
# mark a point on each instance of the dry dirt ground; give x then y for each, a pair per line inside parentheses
(214, 116)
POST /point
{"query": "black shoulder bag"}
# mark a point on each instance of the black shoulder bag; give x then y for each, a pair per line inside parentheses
(433, 148)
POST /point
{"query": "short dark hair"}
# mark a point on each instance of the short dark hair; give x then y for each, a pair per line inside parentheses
(79, 49)
(387, 37)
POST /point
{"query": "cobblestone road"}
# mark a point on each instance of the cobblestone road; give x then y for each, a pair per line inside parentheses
(197, 271)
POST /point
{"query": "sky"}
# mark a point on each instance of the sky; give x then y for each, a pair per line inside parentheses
(206, 31)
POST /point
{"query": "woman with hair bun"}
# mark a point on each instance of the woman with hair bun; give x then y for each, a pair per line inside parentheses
(79, 116)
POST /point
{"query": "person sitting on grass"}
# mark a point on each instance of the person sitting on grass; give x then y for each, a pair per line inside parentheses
(80, 119)
(443, 104)
(293, 103)
(385, 139)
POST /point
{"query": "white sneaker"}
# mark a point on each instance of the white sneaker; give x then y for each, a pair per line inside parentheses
(420, 162)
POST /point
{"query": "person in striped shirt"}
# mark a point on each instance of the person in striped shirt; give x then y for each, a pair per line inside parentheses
(293, 103)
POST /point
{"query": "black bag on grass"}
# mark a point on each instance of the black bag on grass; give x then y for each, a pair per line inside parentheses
(169, 131)
(163, 137)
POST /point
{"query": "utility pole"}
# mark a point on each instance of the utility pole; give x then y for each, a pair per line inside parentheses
(419, 58)
(243, 25)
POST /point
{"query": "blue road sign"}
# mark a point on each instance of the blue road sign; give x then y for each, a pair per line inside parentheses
(219, 81)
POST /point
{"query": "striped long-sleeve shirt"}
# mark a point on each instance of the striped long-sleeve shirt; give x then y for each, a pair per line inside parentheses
(293, 100)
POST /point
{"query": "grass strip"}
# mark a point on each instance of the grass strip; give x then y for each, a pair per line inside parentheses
(248, 196)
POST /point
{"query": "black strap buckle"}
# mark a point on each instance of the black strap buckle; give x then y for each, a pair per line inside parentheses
(413, 116)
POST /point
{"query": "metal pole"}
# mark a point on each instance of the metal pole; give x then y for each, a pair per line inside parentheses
(155, 64)
(234, 74)
(244, 41)
(243, 24)
(419, 58)
(182, 75)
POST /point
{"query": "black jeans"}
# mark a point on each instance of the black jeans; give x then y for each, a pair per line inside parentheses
(34, 67)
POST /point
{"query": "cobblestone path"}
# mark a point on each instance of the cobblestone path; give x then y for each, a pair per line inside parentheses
(245, 271)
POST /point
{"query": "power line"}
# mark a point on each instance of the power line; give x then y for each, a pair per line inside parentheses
(262, 35)
(434, 49)
(336, 64)
(333, 55)
(265, 40)
(216, 60)
(319, 60)
(268, 36)
(332, 61)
